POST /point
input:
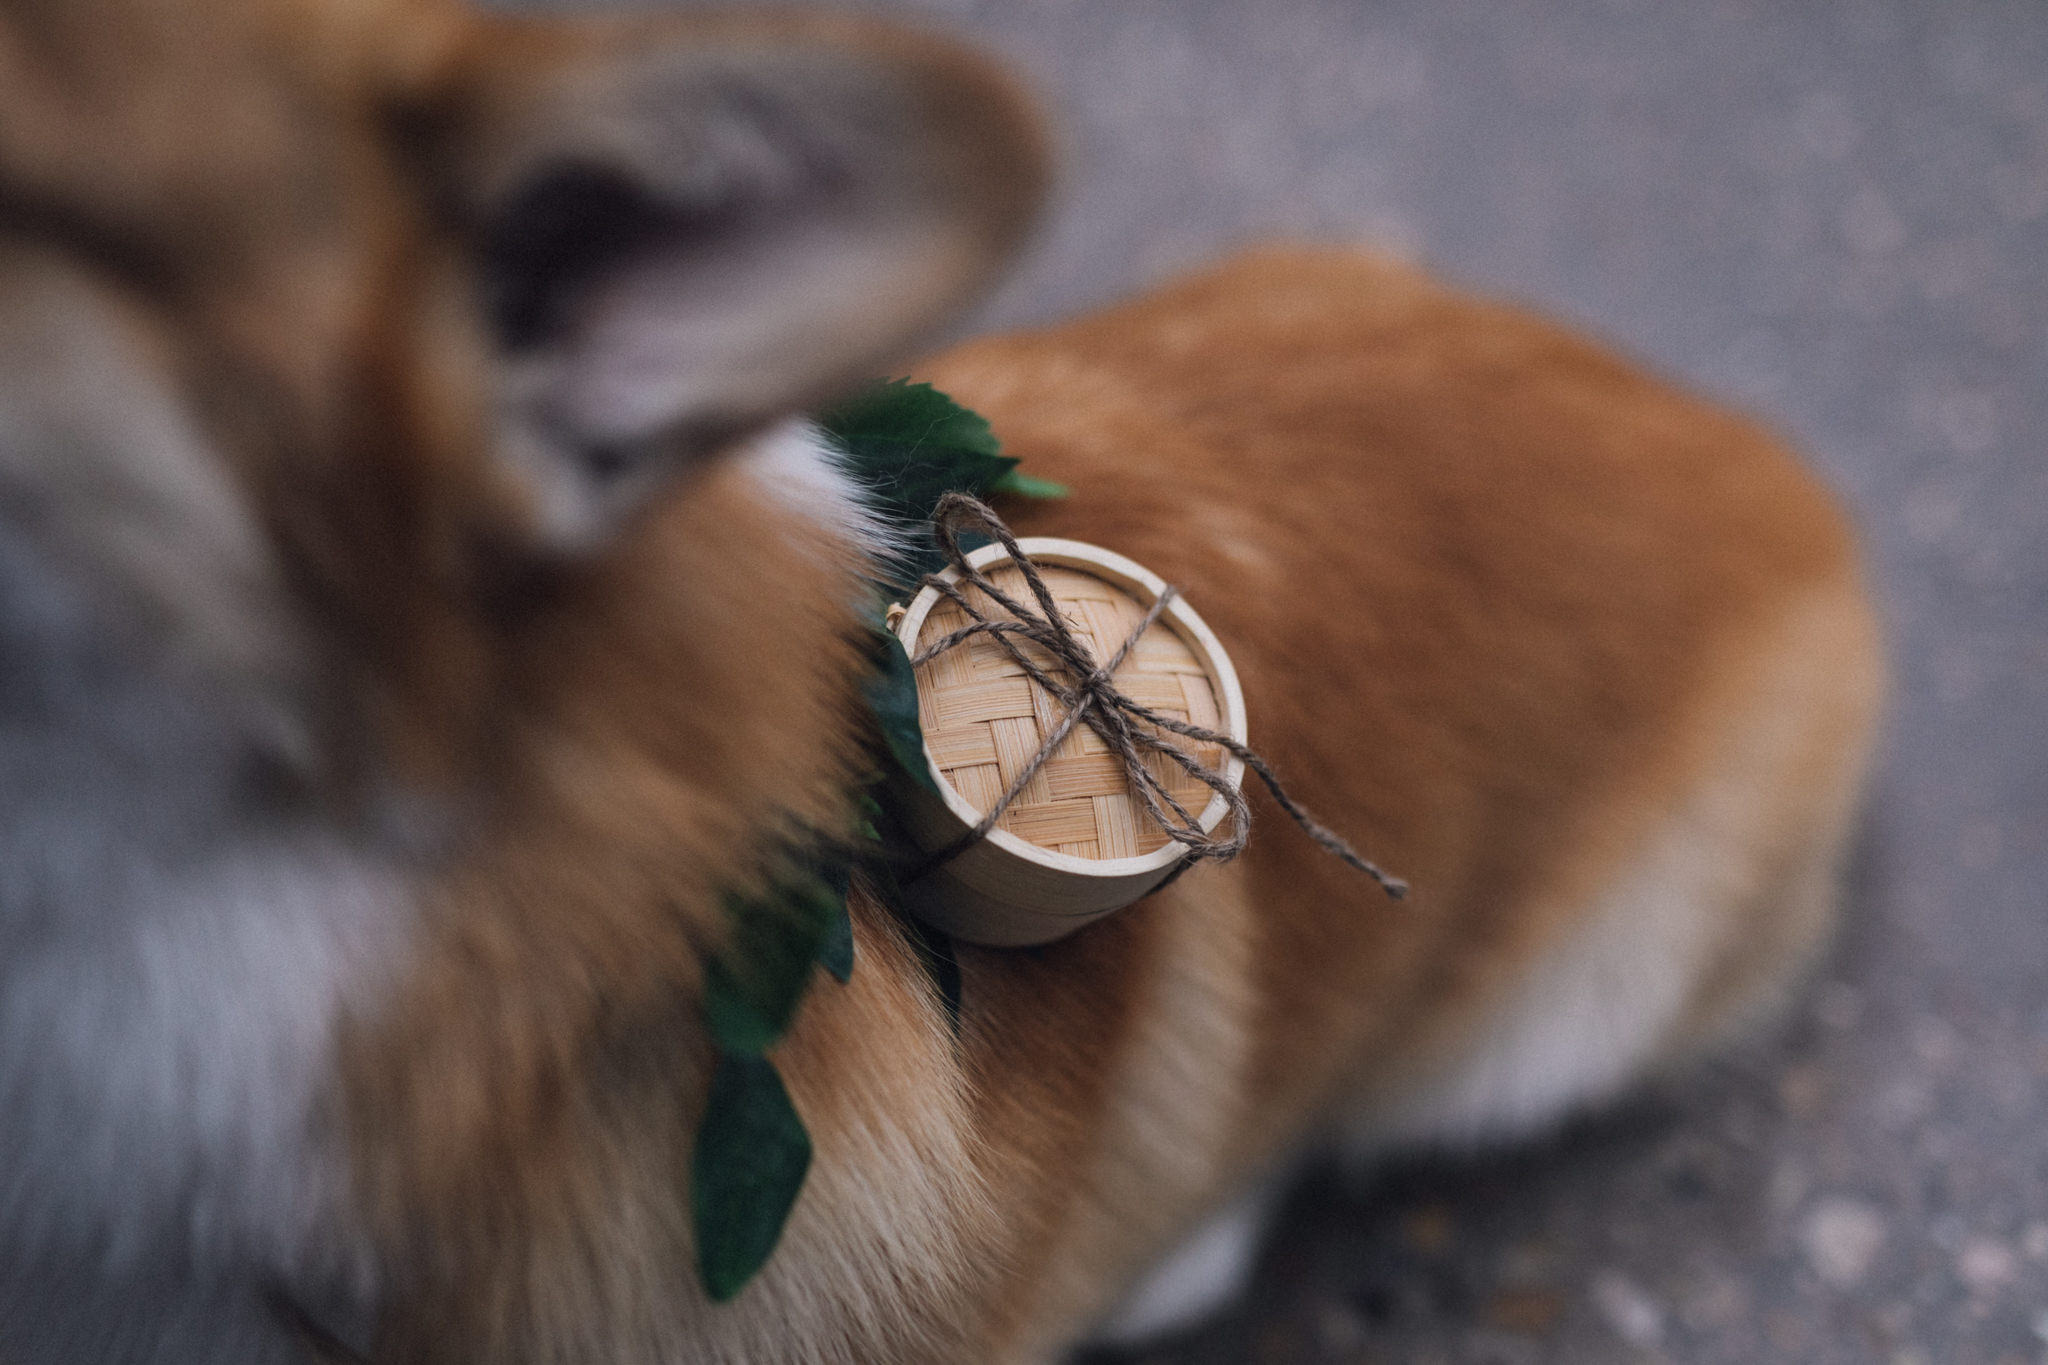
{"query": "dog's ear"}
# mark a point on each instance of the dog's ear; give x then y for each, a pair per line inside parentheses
(685, 229)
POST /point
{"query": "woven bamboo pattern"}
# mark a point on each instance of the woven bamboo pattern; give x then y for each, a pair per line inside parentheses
(984, 719)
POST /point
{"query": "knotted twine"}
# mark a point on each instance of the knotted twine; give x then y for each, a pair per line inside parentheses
(1084, 688)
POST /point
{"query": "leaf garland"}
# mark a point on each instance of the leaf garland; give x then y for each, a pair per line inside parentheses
(906, 445)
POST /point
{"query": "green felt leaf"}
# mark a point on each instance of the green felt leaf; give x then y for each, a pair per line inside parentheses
(876, 823)
(909, 444)
(835, 952)
(736, 1022)
(901, 409)
(892, 696)
(751, 1157)
(1019, 484)
(753, 986)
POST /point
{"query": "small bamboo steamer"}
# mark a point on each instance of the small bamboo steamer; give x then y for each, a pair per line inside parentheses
(1077, 843)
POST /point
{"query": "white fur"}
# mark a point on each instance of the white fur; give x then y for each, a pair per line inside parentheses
(796, 463)
(1202, 1276)
(176, 945)
(1752, 848)
(1167, 1144)
(1586, 1020)
(1593, 1012)
(163, 1040)
(792, 460)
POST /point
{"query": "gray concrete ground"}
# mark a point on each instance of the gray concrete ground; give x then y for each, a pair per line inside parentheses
(1835, 214)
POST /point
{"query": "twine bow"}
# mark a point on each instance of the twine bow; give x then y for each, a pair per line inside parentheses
(1085, 689)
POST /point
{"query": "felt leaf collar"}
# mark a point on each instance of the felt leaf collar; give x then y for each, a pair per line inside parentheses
(906, 445)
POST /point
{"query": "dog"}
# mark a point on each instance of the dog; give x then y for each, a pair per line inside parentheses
(422, 597)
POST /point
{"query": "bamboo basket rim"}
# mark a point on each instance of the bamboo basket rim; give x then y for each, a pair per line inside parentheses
(1134, 578)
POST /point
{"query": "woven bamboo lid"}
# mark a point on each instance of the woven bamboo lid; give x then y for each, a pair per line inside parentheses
(1077, 841)
(985, 719)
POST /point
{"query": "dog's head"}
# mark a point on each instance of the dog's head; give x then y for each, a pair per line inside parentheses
(337, 326)
(401, 537)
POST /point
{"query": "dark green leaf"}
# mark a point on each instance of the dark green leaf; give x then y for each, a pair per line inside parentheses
(908, 444)
(836, 956)
(751, 1157)
(892, 695)
(901, 410)
(874, 823)
(753, 987)
(737, 1023)
(1021, 485)
(835, 953)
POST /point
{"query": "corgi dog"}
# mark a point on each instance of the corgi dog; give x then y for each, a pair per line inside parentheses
(422, 599)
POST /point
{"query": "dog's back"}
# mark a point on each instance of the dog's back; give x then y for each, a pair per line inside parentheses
(1587, 661)
(418, 609)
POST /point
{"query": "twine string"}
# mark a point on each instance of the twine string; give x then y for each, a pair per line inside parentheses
(1085, 690)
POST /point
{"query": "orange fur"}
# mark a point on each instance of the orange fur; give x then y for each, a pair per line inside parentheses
(1526, 624)
(1489, 591)
(1496, 599)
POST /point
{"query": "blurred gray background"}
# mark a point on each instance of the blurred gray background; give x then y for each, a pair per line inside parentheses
(1833, 213)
